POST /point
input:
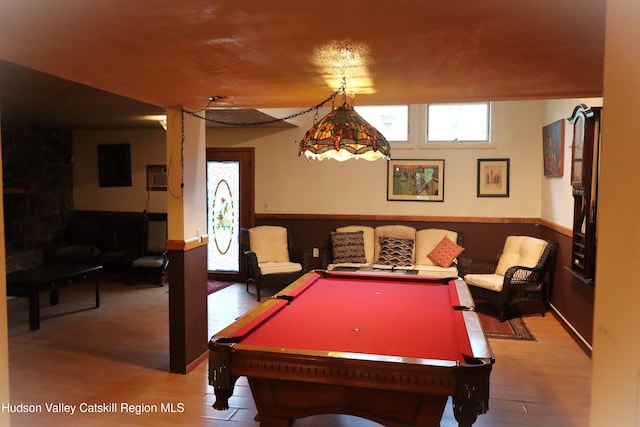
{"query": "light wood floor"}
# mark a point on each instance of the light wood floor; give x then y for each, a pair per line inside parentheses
(119, 354)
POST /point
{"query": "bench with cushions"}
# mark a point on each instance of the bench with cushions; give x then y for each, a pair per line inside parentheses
(430, 252)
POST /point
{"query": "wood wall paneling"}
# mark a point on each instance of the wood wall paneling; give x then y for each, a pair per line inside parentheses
(572, 297)
(188, 317)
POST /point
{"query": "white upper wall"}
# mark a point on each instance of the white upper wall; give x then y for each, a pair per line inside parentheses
(557, 199)
(147, 147)
(286, 183)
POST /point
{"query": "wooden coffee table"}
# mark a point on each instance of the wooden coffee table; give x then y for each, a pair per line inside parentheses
(29, 283)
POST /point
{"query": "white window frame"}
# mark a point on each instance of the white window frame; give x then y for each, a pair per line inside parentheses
(456, 143)
(365, 112)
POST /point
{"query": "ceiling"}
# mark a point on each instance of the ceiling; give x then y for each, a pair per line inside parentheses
(103, 63)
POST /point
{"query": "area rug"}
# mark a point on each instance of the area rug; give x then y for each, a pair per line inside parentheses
(216, 285)
(513, 328)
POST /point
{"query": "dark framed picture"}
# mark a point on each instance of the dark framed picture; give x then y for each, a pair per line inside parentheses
(114, 165)
(553, 149)
(493, 177)
(415, 180)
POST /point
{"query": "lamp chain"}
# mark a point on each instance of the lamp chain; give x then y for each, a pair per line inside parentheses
(265, 122)
(343, 89)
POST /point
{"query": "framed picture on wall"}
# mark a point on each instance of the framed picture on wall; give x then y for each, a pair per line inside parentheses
(415, 180)
(493, 177)
(114, 165)
(553, 149)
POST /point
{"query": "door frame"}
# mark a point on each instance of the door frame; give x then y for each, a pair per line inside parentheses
(246, 158)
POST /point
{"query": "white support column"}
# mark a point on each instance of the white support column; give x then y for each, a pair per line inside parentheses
(615, 387)
(186, 210)
(4, 335)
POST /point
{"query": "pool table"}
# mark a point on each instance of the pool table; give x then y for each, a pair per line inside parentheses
(390, 348)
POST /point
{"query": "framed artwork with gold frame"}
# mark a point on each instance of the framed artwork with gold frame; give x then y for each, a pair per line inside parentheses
(553, 149)
(415, 180)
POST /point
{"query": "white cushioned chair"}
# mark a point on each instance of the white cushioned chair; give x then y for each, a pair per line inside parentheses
(270, 258)
(153, 260)
(522, 273)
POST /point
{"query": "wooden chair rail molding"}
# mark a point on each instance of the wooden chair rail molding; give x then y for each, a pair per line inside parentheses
(187, 245)
(565, 231)
(469, 219)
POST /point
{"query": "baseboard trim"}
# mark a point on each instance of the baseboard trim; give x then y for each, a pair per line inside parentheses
(194, 364)
(577, 337)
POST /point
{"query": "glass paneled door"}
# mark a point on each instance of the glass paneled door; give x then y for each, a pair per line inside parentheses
(223, 216)
(229, 207)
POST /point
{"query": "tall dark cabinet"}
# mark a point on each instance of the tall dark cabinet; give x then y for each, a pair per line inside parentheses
(584, 180)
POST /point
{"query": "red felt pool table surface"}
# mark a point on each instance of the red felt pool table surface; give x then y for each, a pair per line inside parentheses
(360, 314)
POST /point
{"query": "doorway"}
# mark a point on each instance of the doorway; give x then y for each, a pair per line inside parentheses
(230, 206)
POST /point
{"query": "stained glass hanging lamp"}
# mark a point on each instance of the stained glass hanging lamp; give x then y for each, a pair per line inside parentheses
(343, 134)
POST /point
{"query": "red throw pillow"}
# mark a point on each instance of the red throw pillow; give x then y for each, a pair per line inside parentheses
(445, 252)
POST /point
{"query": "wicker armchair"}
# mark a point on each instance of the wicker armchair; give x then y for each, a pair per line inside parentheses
(515, 277)
(265, 267)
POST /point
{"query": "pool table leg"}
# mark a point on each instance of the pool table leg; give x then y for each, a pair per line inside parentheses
(472, 394)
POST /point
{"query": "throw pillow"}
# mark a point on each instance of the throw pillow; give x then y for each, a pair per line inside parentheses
(348, 247)
(394, 251)
(445, 252)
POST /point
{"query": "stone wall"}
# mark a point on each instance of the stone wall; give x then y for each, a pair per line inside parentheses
(38, 192)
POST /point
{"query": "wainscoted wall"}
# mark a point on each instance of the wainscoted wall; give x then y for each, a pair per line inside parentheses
(188, 312)
(570, 298)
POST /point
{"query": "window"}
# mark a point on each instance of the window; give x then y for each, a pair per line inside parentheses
(391, 120)
(468, 122)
